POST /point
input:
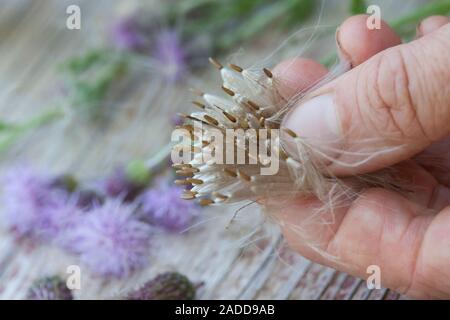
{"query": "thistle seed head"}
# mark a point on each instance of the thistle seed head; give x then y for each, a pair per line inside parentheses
(49, 288)
(166, 286)
(251, 103)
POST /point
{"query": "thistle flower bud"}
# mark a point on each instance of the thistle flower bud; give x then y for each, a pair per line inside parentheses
(49, 288)
(137, 172)
(86, 199)
(166, 286)
(127, 182)
(66, 182)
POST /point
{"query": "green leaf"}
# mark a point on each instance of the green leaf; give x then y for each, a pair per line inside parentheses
(81, 64)
(90, 77)
(358, 7)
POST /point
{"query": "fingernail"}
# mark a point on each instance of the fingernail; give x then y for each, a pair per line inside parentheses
(343, 55)
(419, 32)
(317, 121)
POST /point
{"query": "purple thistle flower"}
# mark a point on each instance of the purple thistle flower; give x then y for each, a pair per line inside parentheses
(163, 207)
(110, 240)
(128, 34)
(171, 55)
(55, 220)
(28, 199)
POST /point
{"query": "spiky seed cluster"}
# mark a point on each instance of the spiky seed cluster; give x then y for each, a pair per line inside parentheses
(49, 288)
(253, 102)
(166, 286)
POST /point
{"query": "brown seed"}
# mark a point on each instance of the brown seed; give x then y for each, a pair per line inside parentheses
(222, 197)
(230, 116)
(205, 202)
(199, 105)
(188, 195)
(282, 154)
(188, 127)
(228, 91)
(244, 176)
(215, 63)
(211, 120)
(253, 105)
(235, 67)
(191, 169)
(262, 121)
(182, 182)
(244, 124)
(230, 172)
(290, 132)
(194, 181)
(184, 173)
(268, 73)
(179, 166)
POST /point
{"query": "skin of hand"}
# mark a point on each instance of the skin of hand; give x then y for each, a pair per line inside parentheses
(398, 95)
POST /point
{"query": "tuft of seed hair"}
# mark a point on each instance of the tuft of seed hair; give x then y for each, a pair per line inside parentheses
(252, 101)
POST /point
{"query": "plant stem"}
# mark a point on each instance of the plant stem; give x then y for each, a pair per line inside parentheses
(160, 158)
(12, 132)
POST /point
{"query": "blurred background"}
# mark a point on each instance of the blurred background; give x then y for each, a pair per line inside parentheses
(94, 107)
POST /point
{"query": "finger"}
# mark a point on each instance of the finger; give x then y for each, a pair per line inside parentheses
(431, 24)
(421, 186)
(357, 43)
(384, 111)
(379, 228)
(436, 160)
(294, 75)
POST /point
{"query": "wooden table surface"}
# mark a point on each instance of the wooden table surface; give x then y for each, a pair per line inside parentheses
(243, 261)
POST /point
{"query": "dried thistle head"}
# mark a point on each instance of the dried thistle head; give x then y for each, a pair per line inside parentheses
(249, 121)
(49, 288)
(236, 153)
(166, 286)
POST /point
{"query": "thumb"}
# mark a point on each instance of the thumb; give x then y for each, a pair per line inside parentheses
(382, 112)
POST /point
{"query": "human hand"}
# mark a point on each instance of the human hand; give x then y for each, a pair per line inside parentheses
(398, 96)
